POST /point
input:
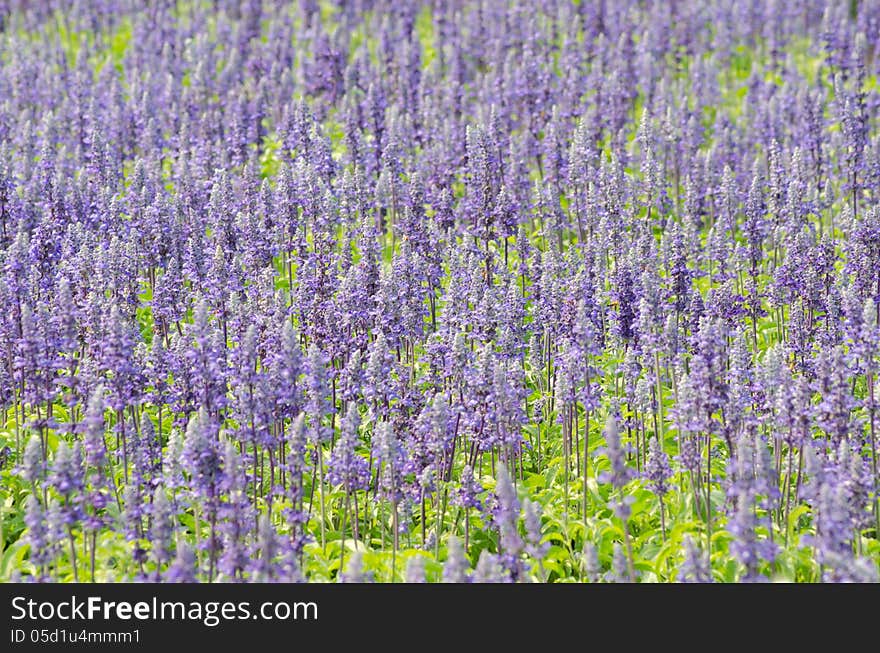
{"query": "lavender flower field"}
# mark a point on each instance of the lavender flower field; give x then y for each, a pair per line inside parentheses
(452, 291)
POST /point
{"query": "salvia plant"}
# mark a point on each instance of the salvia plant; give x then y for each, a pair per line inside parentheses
(440, 292)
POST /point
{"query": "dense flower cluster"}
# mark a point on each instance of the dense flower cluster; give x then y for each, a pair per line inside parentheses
(456, 291)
